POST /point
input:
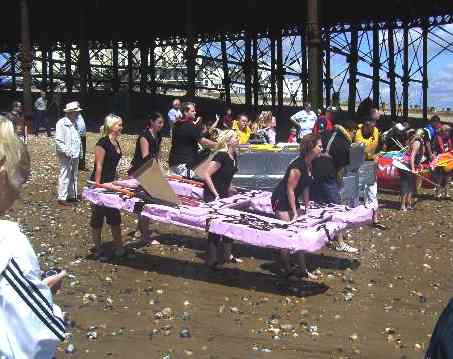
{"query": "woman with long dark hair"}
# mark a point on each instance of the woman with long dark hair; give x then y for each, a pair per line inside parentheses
(285, 197)
(147, 148)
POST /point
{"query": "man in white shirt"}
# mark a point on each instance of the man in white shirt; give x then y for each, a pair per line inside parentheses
(41, 114)
(304, 120)
(81, 128)
(68, 146)
(174, 114)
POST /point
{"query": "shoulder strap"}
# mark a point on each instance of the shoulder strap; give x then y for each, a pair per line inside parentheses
(329, 144)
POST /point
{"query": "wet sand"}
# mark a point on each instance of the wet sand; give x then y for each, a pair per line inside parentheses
(381, 303)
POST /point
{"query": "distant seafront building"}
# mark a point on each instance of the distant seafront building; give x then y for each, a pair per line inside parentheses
(170, 71)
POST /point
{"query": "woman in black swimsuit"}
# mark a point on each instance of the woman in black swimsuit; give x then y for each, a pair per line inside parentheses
(148, 143)
(147, 148)
(107, 155)
(296, 183)
(217, 175)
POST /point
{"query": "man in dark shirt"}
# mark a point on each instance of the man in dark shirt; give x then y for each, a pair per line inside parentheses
(187, 136)
(328, 168)
(328, 171)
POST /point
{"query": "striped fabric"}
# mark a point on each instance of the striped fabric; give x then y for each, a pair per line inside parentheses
(34, 299)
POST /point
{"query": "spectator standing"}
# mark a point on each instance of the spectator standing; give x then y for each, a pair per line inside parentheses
(68, 146)
(41, 114)
(431, 130)
(292, 138)
(269, 133)
(412, 159)
(325, 121)
(16, 116)
(174, 114)
(241, 126)
(328, 170)
(31, 324)
(81, 128)
(443, 144)
(227, 122)
(368, 135)
(304, 120)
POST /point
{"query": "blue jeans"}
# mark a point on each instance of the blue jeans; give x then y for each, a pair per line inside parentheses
(327, 191)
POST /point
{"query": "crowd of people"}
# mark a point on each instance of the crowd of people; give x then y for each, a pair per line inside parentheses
(206, 150)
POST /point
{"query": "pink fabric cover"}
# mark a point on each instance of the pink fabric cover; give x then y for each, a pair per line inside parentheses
(244, 217)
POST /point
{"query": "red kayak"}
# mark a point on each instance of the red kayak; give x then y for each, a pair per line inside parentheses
(388, 176)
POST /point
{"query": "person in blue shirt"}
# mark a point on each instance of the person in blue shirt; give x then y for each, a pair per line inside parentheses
(431, 129)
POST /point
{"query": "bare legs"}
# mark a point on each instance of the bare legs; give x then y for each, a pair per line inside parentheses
(96, 236)
(117, 240)
(406, 201)
(219, 250)
(285, 255)
(143, 227)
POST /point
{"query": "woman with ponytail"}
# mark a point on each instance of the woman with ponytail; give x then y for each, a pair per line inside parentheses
(147, 148)
(107, 155)
(217, 173)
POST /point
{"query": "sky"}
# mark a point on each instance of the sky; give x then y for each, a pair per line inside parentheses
(440, 69)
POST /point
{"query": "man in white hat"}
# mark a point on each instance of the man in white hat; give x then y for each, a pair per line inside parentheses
(68, 146)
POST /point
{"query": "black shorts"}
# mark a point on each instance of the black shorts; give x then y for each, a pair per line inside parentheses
(282, 205)
(407, 182)
(112, 216)
(440, 177)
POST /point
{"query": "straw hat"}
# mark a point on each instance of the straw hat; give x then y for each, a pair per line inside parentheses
(72, 107)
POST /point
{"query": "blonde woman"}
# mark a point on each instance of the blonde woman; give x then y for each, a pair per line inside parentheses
(217, 175)
(107, 155)
(31, 324)
(412, 160)
(269, 132)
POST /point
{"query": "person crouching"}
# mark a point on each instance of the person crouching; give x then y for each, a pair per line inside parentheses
(218, 174)
(296, 182)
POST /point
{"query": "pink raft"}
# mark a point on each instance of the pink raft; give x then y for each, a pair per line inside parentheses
(244, 217)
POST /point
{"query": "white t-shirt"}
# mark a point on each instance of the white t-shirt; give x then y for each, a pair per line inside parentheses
(80, 125)
(41, 104)
(31, 325)
(173, 115)
(306, 121)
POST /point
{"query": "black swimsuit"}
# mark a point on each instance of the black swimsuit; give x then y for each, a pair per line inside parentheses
(223, 177)
(280, 195)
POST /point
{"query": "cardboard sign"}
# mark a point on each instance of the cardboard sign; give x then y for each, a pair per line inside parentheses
(153, 181)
